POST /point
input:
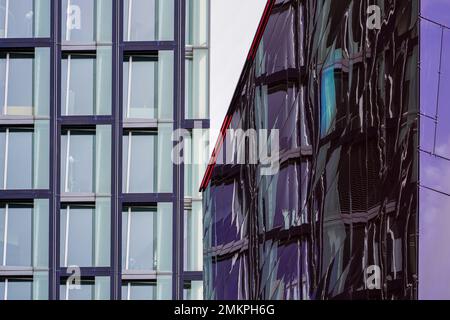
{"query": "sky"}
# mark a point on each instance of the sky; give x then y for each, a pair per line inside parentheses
(233, 27)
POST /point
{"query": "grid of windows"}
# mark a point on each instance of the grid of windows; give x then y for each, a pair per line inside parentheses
(91, 204)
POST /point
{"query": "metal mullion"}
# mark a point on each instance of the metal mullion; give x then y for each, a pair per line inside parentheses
(69, 63)
(5, 105)
(5, 168)
(6, 289)
(127, 252)
(130, 8)
(128, 162)
(116, 209)
(5, 236)
(68, 33)
(66, 239)
(6, 18)
(55, 169)
(66, 178)
(130, 75)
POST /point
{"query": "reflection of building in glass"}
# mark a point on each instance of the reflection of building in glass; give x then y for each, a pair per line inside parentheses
(344, 202)
(90, 94)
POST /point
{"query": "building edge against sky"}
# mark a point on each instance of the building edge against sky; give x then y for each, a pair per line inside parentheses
(349, 154)
(91, 92)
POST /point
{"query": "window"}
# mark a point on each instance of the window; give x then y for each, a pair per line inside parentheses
(86, 161)
(193, 238)
(139, 290)
(140, 96)
(24, 18)
(85, 234)
(139, 162)
(16, 74)
(197, 79)
(88, 289)
(77, 90)
(197, 22)
(16, 289)
(25, 83)
(86, 83)
(24, 157)
(148, 86)
(328, 101)
(24, 234)
(146, 160)
(16, 235)
(24, 287)
(193, 290)
(197, 60)
(78, 161)
(195, 158)
(147, 238)
(86, 21)
(160, 288)
(148, 20)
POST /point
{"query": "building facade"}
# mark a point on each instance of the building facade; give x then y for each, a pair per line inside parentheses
(323, 205)
(92, 204)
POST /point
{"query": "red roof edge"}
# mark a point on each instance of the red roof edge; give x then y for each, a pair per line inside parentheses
(226, 123)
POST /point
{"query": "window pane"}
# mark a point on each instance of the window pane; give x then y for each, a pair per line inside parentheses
(85, 234)
(197, 22)
(164, 161)
(148, 20)
(40, 233)
(19, 22)
(196, 158)
(102, 232)
(104, 21)
(193, 238)
(78, 21)
(328, 101)
(19, 289)
(42, 18)
(18, 248)
(77, 241)
(103, 84)
(165, 85)
(103, 160)
(77, 161)
(141, 239)
(197, 79)
(139, 291)
(164, 236)
(20, 159)
(147, 238)
(98, 289)
(77, 90)
(20, 84)
(41, 154)
(140, 78)
(193, 291)
(140, 162)
(41, 85)
(40, 285)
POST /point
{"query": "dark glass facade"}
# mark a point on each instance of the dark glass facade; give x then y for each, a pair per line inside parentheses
(337, 219)
(91, 204)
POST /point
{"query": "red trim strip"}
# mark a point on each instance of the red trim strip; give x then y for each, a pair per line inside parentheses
(226, 123)
(261, 28)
